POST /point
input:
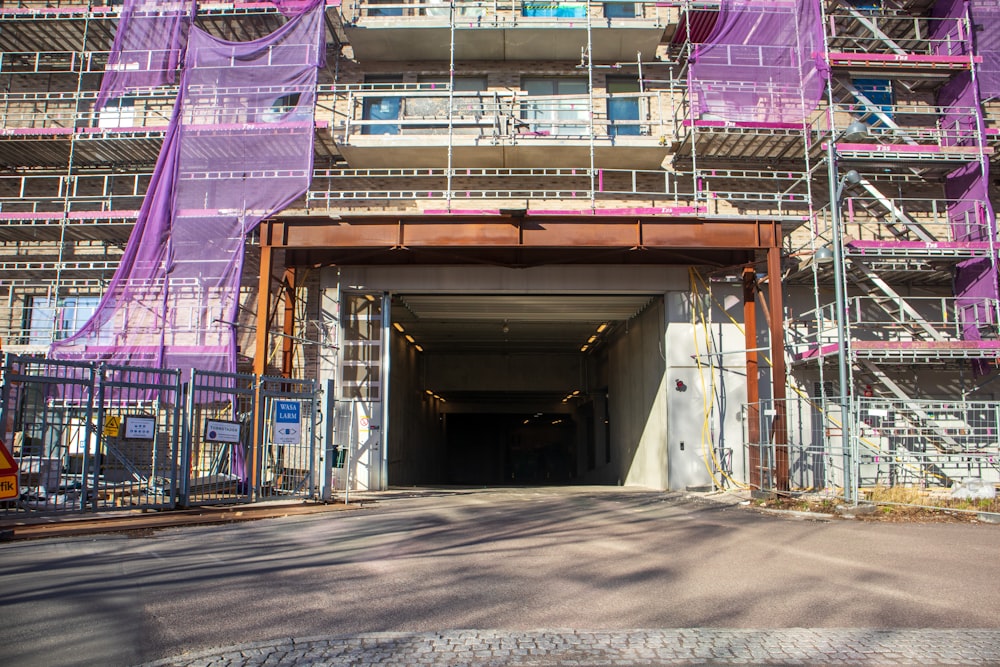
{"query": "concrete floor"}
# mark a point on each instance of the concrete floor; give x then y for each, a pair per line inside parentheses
(502, 560)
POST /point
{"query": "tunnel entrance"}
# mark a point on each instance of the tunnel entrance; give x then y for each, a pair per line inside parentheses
(507, 389)
(496, 449)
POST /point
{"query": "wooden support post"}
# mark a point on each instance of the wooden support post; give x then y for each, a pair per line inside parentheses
(753, 386)
(779, 425)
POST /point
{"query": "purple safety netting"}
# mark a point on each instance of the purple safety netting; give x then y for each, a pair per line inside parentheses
(147, 48)
(949, 33)
(986, 21)
(970, 212)
(239, 148)
(763, 62)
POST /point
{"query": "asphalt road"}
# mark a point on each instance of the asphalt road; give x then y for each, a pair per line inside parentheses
(508, 559)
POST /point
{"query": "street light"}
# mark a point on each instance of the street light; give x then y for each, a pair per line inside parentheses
(854, 132)
(840, 306)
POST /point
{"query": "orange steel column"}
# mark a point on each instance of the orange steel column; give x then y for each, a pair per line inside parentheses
(260, 351)
(779, 426)
(753, 386)
(263, 303)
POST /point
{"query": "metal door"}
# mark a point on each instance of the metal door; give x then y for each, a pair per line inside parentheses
(363, 369)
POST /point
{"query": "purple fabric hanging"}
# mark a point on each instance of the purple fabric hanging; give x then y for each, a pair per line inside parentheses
(147, 48)
(948, 30)
(986, 38)
(763, 63)
(239, 148)
(970, 212)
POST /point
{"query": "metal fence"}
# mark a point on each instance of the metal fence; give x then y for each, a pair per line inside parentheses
(94, 437)
(926, 447)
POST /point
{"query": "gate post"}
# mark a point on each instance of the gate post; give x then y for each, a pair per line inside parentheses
(187, 418)
(256, 454)
(329, 417)
(98, 379)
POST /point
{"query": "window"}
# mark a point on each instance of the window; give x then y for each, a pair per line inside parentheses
(381, 108)
(281, 110)
(619, 10)
(556, 109)
(119, 112)
(48, 321)
(623, 107)
(375, 10)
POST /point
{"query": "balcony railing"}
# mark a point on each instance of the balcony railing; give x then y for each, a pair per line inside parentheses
(408, 109)
(506, 13)
(870, 32)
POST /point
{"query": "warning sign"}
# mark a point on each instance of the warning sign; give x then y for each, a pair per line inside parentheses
(112, 426)
(8, 475)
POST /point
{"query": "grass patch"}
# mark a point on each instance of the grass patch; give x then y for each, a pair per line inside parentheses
(894, 504)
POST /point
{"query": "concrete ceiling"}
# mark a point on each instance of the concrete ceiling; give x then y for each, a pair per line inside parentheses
(457, 324)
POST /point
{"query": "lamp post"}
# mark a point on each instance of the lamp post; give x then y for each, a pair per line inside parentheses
(854, 132)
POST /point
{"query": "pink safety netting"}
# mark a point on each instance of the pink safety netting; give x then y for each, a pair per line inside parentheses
(239, 148)
(986, 36)
(763, 62)
(148, 46)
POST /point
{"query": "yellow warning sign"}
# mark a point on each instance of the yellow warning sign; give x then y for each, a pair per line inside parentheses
(112, 425)
(8, 487)
(8, 475)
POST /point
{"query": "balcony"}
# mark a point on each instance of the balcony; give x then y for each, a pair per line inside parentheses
(504, 30)
(415, 125)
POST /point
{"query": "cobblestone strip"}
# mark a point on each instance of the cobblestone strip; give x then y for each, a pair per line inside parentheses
(581, 648)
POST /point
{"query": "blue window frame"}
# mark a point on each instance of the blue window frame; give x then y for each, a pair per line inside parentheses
(619, 10)
(623, 111)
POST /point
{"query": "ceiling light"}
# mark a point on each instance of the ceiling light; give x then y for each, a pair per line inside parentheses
(419, 349)
(584, 348)
(398, 327)
(505, 327)
(591, 339)
(410, 338)
(601, 328)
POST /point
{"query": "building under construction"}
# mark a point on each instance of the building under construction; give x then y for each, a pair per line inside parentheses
(670, 244)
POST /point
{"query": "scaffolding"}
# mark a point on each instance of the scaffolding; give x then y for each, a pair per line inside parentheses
(615, 134)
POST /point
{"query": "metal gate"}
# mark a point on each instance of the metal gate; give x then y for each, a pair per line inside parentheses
(218, 445)
(286, 464)
(137, 463)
